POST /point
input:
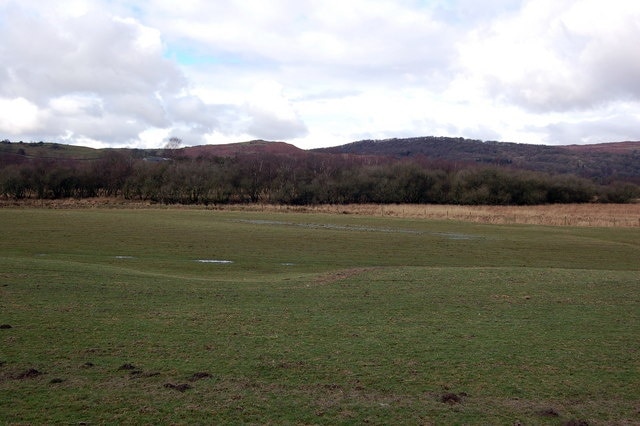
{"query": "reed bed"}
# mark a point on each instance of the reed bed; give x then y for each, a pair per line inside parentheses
(589, 215)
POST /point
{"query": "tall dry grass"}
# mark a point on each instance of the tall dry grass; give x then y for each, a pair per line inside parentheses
(595, 215)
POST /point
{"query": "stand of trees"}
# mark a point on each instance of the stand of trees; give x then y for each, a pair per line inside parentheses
(312, 179)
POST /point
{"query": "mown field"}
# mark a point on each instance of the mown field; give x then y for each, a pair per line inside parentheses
(187, 316)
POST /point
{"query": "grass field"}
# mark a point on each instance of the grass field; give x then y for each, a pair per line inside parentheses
(187, 316)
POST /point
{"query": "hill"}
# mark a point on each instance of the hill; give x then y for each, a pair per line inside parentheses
(19, 152)
(602, 162)
(432, 170)
(233, 149)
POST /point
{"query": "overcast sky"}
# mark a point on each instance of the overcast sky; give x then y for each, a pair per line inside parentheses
(318, 72)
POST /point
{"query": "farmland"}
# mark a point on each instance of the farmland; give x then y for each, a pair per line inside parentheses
(182, 316)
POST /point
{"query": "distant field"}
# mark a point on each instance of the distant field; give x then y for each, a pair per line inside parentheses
(187, 316)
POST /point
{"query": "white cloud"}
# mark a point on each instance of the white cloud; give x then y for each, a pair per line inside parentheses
(18, 116)
(556, 56)
(317, 73)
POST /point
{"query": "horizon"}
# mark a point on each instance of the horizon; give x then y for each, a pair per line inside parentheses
(117, 73)
(183, 146)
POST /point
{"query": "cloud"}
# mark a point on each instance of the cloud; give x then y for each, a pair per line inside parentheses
(124, 73)
(87, 75)
(612, 125)
(18, 116)
(558, 56)
(271, 115)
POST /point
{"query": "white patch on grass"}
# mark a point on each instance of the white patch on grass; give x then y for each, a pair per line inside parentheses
(218, 261)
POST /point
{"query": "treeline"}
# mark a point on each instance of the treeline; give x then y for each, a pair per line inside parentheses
(312, 179)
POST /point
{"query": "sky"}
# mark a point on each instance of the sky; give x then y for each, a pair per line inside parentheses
(314, 73)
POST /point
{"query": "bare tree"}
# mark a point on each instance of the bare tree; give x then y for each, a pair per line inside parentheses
(172, 146)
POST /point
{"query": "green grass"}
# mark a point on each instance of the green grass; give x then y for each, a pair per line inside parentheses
(50, 150)
(320, 319)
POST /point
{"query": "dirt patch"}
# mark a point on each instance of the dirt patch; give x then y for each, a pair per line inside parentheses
(452, 398)
(180, 387)
(574, 422)
(333, 277)
(126, 366)
(5, 326)
(199, 376)
(548, 412)
(29, 374)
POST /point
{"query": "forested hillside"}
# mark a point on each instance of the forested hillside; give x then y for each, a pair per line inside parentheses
(603, 163)
(269, 172)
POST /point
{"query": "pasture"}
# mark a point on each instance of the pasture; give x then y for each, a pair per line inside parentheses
(183, 316)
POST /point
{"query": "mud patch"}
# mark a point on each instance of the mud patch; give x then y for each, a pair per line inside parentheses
(218, 261)
(127, 366)
(574, 422)
(548, 412)
(199, 376)
(29, 374)
(182, 387)
(452, 398)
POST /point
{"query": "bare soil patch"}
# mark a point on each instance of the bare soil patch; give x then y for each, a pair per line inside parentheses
(574, 422)
(452, 398)
(199, 376)
(29, 374)
(182, 387)
(126, 366)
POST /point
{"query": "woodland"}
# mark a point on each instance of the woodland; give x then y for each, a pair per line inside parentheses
(289, 177)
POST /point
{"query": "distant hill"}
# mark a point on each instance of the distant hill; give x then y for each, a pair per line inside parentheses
(22, 151)
(233, 149)
(603, 162)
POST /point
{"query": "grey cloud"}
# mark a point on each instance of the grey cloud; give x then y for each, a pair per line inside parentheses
(191, 109)
(265, 125)
(621, 127)
(583, 66)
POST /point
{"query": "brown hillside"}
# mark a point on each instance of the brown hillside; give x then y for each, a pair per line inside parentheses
(252, 147)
